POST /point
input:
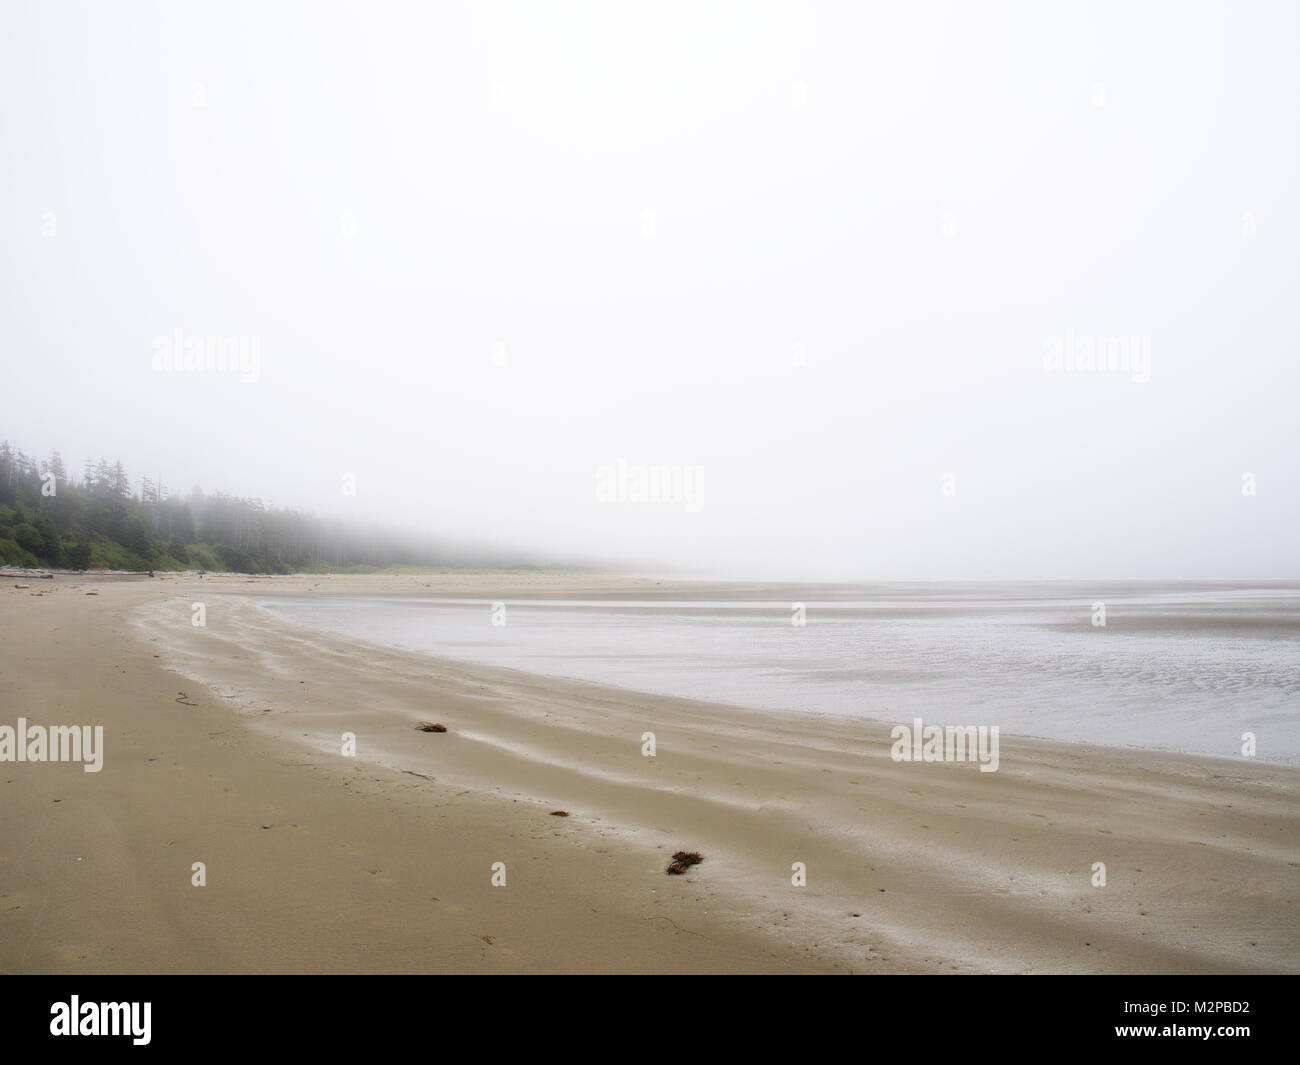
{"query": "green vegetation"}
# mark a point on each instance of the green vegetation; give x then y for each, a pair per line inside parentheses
(48, 518)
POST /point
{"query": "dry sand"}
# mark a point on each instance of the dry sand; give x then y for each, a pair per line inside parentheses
(223, 747)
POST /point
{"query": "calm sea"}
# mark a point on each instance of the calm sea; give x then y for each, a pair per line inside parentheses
(1177, 665)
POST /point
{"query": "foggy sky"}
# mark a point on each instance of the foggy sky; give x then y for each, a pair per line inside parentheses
(813, 260)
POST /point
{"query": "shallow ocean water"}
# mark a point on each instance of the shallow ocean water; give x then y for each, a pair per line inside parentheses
(1178, 665)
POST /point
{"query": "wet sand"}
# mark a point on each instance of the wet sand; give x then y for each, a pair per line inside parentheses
(223, 745)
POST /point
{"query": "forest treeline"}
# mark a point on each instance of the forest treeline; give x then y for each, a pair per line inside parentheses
(52, 517)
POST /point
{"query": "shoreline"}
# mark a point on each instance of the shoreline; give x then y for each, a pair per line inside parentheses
(946, 869)
(809, 719)
(715, 600)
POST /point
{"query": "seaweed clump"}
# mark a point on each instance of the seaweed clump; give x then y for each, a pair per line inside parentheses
(683, 860)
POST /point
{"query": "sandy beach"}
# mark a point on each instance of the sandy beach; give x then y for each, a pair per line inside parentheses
(223, 746)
